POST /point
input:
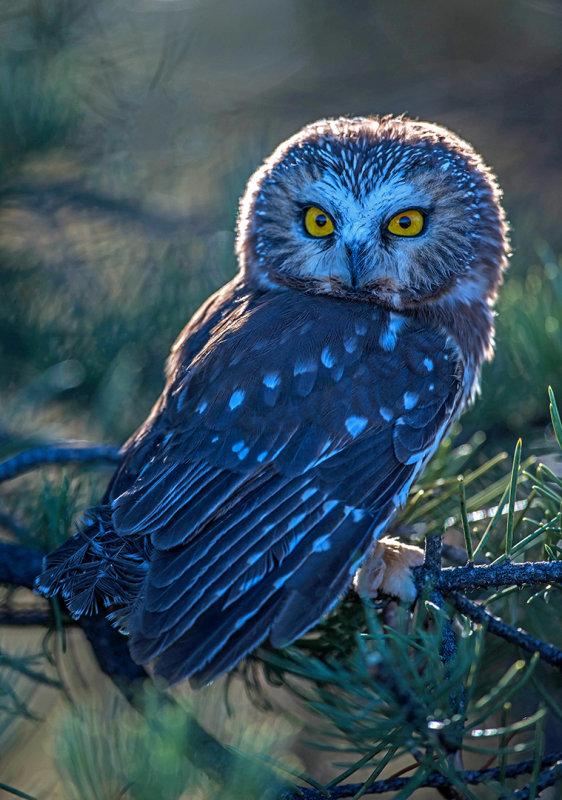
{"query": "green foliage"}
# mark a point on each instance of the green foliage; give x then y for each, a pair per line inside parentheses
(383, 690)
(117, 752)
(45, 113)
(47, 515)
(38, 83)
(529, 347)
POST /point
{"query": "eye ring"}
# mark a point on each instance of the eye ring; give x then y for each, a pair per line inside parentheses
(317, 223)
(410, 223)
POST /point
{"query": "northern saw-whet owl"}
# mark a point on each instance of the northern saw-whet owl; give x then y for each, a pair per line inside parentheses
(302, 400)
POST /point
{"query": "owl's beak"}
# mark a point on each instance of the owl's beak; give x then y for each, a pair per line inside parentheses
(355, 262)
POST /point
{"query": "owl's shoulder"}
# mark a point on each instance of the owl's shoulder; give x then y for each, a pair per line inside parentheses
(195, 335)
(287, 352)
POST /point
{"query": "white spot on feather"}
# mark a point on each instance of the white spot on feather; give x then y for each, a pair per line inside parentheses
(236, 399)
(386, 413)
(307, 494)
(357, 514)
(337, 373)
(302, 366)
(294, 521)
(321, 544)
(428, 364)
(410, 400)
(262, 456)
(237, 446)
(350, 343)
(272, 380)
(329, 505)
(327, 358)
(387, 339)
(202, 406)
(355, 425)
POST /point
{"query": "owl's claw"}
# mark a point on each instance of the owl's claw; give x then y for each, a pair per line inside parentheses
(387, 570)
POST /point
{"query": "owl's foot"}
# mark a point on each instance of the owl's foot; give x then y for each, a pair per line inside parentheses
(387, 570)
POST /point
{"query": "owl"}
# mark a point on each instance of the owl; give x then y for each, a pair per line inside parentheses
(302, 399)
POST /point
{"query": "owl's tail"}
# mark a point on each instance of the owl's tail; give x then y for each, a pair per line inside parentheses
(94, 568)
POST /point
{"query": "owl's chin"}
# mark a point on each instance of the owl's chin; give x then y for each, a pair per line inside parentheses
(384, 292)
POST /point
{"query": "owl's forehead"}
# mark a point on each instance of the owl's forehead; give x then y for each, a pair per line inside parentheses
(348, 172)
(374, 200)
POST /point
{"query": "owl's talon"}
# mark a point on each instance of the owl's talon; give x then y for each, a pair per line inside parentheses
(387, 570)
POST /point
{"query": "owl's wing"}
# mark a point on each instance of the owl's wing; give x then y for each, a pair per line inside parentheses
(274, 476)
(276, 454)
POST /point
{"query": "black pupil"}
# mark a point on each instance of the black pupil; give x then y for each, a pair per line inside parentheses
(321, 220)
(404, 222)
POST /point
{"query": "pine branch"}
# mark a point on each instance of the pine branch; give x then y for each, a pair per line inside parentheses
(18, 619)
(19, 566)
(545, 779)
(67, 453)
(517, 636)
(495, 575)
(552, 761)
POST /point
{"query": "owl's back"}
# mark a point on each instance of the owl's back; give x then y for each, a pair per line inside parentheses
(286, 436)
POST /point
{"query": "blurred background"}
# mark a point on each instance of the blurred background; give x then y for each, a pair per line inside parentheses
(128, 129)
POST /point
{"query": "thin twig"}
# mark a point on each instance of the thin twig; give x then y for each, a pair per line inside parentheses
(17, 619)
(57, 454)
(545, 779)
(516, 636)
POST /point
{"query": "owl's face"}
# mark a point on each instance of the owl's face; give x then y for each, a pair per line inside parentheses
(388, 210)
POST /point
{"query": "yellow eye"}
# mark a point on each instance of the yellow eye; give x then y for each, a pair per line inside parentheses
(317, 222)
(407, 223)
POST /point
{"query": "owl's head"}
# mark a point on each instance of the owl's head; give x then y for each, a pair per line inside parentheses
(387, 210)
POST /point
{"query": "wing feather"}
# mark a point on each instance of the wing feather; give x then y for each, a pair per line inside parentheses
(283, 523)
(263, 473)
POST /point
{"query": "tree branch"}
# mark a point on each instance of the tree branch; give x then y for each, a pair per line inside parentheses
(20, 565)
(496, 575)
(57, 454)
(516, 636)
(436, 780)
(18, 619)
(546, 778)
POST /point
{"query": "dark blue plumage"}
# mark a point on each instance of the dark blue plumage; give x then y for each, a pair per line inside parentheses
(235, 519)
